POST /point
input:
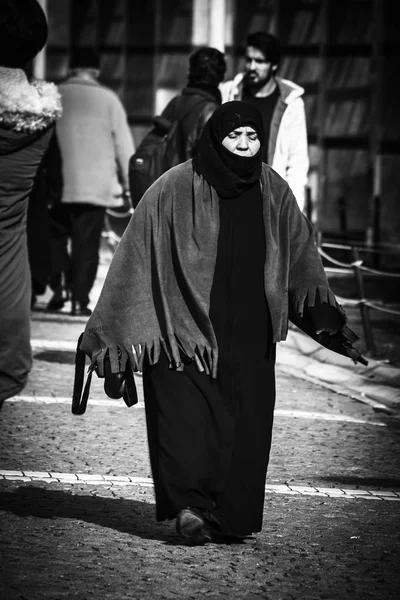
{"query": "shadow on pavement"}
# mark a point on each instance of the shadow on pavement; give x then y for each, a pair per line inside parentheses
(56, 356)
(126, 516)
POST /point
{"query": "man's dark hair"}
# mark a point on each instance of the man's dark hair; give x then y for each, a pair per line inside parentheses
(267, 43)
(207, 66)
(84, 58)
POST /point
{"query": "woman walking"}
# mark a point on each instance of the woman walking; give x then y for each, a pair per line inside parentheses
(215, 260)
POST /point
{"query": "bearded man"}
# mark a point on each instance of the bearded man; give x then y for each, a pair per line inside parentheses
(281, 105)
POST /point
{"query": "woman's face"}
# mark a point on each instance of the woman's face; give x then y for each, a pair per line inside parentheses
(242, 141)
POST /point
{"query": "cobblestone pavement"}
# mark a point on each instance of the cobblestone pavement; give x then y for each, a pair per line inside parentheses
(77, 507)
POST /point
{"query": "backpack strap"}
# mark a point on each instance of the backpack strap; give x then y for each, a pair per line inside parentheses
(170, 118)
(179, 119)
(189, 108)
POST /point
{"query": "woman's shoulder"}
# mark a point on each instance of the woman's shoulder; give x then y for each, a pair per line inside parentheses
(172, 184)
(175, 179)
(174, 174)
(272, 178)
(280, 192)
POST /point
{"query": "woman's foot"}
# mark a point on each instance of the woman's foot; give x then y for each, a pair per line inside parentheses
(190, 524)
(228, 538)
(219, 529)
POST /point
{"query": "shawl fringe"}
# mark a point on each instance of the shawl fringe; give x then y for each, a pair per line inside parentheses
(181, 211)
(342, 341)
(205, 356)
(307, 296)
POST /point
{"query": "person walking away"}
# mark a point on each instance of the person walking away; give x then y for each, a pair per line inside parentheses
(176, 132)
(46, 192)
(282, 107)
(207, 68)
(95, 144)
(28, 111)
(215, 260)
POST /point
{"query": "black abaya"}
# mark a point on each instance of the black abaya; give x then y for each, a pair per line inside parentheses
(210, 440)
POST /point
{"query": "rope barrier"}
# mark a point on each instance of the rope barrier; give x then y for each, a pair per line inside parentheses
(357, 264)
(385, 309)
(357, 303)
(357, 268)
(333, 260)
(110, 235)
(380, 273)
(119, 215)
(349, 301)
(386, 249)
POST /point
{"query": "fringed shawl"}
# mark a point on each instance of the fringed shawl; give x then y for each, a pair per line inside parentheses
(157, 291)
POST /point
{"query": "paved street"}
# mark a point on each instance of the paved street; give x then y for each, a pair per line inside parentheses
(77, 506)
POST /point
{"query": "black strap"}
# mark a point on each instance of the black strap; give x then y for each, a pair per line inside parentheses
(191, 106)
(79, 400)
(182, 100)
(130, 393)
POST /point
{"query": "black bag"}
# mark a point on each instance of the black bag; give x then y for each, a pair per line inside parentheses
(162, 148)
(116, 385)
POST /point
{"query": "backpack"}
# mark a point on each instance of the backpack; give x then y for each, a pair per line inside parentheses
(162, 148)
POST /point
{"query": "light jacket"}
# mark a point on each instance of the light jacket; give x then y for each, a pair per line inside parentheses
(95, 142)
(287, 144)
(157, 291)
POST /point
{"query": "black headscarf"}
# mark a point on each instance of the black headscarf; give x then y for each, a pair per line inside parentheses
(229, 174)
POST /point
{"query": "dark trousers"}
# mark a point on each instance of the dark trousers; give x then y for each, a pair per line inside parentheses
(82, 224)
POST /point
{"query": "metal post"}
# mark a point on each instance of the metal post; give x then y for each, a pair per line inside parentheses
(308, 204)
(216, 35)
(342, 217)
(39, 62)
(372, 233)
(158, 104)
(377, 226)
(322, 102)
(200, 21)
(209, 23)
(364, 310)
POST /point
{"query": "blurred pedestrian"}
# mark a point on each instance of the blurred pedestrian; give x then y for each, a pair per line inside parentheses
(176, 132)
(45, 194)
(281, 105)
(207, 68)
(95, 144)
(28, 110)
(214, 261)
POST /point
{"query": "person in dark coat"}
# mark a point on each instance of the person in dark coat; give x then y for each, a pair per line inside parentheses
(45, 195)
(199, 99)
(28, 110)
(183, 120)
(214, 262)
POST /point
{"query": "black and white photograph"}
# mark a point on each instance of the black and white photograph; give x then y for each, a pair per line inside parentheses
(199, 300)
